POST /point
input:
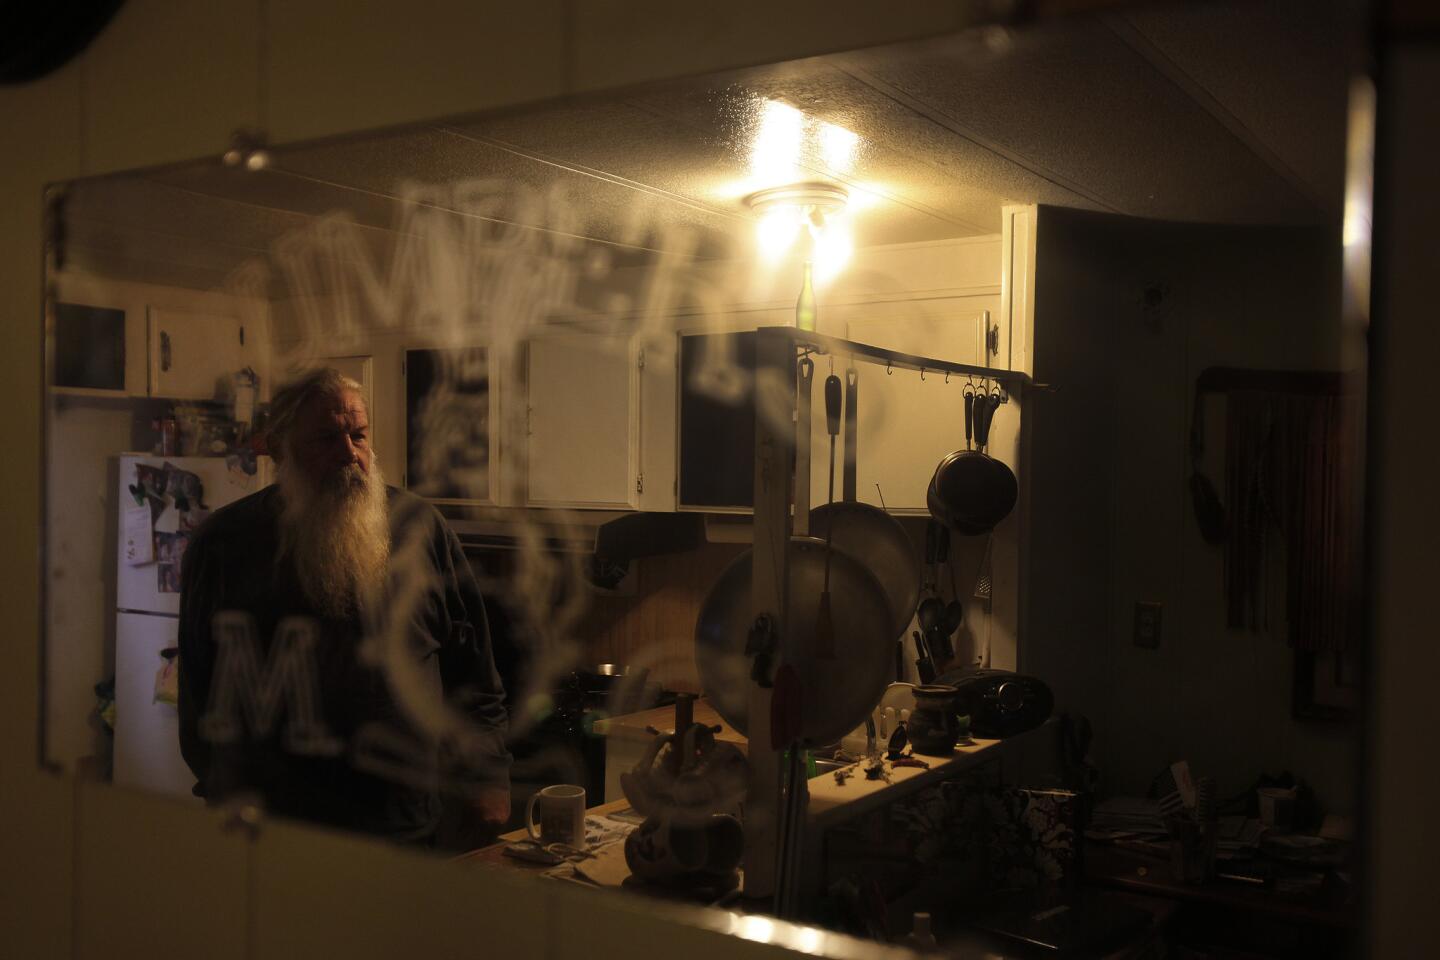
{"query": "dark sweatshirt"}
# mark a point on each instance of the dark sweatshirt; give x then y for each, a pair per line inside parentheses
(319, 716)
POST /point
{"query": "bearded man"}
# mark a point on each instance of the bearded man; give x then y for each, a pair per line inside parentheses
(335, 659)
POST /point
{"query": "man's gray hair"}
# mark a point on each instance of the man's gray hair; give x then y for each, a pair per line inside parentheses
(291, 398)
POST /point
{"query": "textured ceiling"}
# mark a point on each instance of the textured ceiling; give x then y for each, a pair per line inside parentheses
(1218, 113)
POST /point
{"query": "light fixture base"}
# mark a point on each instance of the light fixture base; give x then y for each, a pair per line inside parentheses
(824, 197)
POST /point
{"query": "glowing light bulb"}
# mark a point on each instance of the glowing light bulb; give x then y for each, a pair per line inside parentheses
(776, 151)
(833, 247)
(776, 231)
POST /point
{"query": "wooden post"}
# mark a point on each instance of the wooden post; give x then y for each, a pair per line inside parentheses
(774, 466)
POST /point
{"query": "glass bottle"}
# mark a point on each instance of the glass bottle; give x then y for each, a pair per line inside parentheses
(805, 306)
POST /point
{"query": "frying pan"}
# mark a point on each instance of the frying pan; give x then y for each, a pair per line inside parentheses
(868, 534)
(973, 490)
(840, 693)
(939, 510)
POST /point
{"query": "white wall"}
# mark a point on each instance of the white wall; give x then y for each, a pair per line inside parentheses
(1112, 522)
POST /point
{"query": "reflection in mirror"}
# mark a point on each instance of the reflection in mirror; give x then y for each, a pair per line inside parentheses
(394, 478)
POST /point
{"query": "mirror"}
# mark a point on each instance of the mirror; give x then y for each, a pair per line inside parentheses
(1112, 207)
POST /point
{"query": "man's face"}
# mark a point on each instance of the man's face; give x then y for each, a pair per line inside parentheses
(331, 441)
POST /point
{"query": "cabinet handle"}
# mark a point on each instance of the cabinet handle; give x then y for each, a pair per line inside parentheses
(164, 351)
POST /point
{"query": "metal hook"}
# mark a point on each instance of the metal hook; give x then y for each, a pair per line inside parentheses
(922, 373)
(888, 371)
(947, 376)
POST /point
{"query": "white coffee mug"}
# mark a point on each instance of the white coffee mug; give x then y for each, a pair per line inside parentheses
(562, 815)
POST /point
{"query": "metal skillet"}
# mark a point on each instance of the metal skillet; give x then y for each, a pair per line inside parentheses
(869, 534)
(840, 691)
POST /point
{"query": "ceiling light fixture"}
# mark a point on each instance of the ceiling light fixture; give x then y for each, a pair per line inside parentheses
(816, 206)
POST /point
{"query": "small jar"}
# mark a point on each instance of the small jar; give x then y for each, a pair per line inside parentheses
(933, 726)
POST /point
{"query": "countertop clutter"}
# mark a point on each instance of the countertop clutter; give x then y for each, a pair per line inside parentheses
(837, 791)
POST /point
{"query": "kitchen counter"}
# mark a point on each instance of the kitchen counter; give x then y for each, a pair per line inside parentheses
(627, 740)
(831, 802)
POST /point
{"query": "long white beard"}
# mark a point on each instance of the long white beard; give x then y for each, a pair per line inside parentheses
(338, 536)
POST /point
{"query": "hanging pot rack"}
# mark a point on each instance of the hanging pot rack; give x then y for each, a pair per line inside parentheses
(808, 342)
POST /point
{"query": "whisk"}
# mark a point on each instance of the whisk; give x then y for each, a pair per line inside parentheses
(982, 581)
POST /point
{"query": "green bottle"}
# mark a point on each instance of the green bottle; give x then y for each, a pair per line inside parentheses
(805, 306)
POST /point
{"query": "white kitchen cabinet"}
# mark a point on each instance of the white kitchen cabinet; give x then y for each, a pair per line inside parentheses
(906, 425)
(192, 355)
(952, 328)
(125, 339)
(583, 424)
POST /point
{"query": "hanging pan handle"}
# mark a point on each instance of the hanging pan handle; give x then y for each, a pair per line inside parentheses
(852, 394)
(802, 447)
(969, 416)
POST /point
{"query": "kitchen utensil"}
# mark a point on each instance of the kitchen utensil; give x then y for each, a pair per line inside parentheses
(924, 666)
(933, 729)
(870, 535)
(954, 610)
(939, 510)
(972, 490)
(824, 624)
(873, 538)
(932, 609)
(852, 401)
(982, 580)
(839, 692)
(612, 687)
(832, 423)
(805, 373)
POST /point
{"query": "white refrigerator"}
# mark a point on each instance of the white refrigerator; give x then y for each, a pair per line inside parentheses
(161, 506)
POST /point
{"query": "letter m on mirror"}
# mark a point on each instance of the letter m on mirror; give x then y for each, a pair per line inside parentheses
(251, 694)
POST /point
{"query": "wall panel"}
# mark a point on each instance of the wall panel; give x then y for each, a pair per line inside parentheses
(621, 41)
(387, 901)
(43, 119)
(170, 81)
(154, 875)
(336, 66)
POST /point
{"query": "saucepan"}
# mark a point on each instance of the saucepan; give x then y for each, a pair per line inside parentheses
(971, 491)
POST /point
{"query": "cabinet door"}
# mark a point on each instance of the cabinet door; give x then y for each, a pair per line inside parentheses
(191, 354)
(717, 422)
(949, 328)
(583, 421)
